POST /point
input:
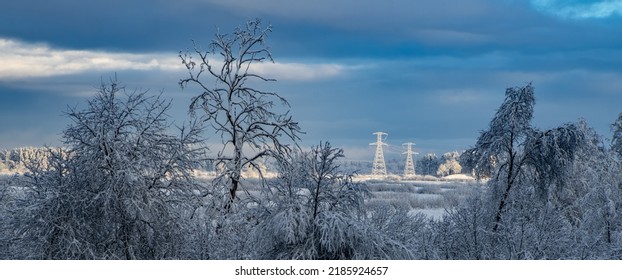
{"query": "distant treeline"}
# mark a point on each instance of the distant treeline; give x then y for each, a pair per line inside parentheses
(16, 160)
(429, 164)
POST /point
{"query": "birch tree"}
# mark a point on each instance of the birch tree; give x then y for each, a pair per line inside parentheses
(252, 123)
(544, 183)
(504, 140)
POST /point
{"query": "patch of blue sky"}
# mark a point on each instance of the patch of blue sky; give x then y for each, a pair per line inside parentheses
(580, 9)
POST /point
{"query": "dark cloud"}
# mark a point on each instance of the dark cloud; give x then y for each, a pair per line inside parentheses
(314, 29)
(112, 25)
(429, 71)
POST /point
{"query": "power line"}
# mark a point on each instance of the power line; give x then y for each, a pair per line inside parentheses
(379, 168)
(409, 168)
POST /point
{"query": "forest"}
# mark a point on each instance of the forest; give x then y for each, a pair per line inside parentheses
(124, 185)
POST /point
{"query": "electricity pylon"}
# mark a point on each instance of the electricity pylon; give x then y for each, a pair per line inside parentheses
(379, 168)
(409, 168)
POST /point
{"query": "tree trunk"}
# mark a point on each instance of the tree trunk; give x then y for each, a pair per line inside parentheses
(506, 193)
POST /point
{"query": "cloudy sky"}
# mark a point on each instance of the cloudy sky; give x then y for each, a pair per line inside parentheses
(431, 72)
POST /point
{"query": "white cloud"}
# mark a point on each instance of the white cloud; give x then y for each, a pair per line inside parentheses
(580, 9)
(27, 60)
(297, 71)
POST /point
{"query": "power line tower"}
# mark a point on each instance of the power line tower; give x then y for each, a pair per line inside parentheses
(379, 168)
(409, 168)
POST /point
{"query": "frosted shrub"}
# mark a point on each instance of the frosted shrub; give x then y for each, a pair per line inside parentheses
(121, 190)
(316, 212)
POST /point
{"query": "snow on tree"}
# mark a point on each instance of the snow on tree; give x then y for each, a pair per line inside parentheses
(246, 118)
(616, 139)
(504, 140)
(120, 189)
(552, 192)
(317, 212)
(575, 192)
(550, 153)
(450, 164)
(15, 160)
(591, 198)
(428, 164)
(3, 164)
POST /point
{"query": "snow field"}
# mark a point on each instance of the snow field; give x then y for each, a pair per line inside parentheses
(428, 197)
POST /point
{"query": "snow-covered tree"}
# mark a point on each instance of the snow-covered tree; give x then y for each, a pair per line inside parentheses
(428, 164)
(504, 140)
(120, 189)
(247, 119)
(3, 164)
(591, 199)
(449, 165)
(316, 212)
(16, 159)
(553, 193)
(616, 139)
(5, 158)
(544, 209)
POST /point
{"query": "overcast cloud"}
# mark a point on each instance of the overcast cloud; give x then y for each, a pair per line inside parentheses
(428, 71)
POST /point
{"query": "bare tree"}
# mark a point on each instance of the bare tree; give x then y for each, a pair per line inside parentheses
(245, 117)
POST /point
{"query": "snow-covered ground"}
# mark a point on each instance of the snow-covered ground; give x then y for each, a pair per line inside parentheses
(431, 198)
(422, 194)
(416, 178)
(434, 213)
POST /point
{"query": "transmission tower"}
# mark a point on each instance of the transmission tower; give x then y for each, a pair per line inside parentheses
(379, 168)
(409, 168)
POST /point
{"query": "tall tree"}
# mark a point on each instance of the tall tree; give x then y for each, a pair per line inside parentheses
(428, 164)
(115, 192)
(616, 139)
(504, 139)
(245, 117)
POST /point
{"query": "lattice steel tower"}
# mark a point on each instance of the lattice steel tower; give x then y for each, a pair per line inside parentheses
(409, 168)
(379, 168)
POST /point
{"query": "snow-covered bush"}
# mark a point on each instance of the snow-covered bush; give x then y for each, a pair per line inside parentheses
(553, 194)
(121, 190)
(316, 212)
(450, 164)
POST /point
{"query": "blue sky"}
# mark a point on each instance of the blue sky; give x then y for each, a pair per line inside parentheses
(431, 72)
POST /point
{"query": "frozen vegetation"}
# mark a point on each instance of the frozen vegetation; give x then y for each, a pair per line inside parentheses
(128, 184)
